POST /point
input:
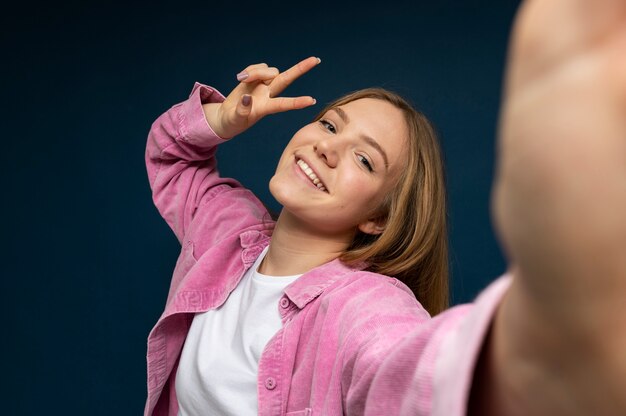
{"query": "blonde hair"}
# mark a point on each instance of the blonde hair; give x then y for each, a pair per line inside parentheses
(413, 246)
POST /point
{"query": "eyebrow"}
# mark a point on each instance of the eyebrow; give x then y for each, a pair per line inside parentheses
(369, 140)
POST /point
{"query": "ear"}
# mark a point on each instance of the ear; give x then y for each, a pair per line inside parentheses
(373, 226)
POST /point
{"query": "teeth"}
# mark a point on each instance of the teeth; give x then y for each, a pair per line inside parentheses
(309, 172)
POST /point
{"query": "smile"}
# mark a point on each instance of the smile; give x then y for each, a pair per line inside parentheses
(311, 175)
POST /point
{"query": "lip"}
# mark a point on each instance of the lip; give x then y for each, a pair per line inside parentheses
(302, 175)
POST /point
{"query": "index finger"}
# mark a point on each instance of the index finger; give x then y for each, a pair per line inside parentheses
(284, 79)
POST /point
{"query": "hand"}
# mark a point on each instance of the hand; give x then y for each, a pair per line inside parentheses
(560, 201)
(561, 170)
(257, 96)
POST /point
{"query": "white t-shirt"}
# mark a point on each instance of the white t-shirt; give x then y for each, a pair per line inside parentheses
(217, 373)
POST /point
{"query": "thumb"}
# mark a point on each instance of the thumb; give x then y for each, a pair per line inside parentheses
(244, 106)
(238, 121)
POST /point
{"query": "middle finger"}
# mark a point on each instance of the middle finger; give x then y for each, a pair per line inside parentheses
(264, 74)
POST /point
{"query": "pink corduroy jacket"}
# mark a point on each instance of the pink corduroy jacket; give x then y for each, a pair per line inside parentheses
(341, 325)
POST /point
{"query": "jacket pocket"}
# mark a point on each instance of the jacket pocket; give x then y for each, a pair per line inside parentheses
(305, 412)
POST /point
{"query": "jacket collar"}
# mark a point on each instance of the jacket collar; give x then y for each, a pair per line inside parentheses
(313, 283)
(308, 286)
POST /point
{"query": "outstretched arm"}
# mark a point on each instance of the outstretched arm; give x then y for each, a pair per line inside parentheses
(559, 203)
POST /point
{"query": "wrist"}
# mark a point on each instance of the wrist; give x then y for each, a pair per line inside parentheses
(212, 115)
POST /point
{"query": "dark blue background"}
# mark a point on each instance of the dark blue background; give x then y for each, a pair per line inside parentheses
(87, 259)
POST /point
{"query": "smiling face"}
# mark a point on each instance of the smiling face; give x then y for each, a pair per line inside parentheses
(335, 172)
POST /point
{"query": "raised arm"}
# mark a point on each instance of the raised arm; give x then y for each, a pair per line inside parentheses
(559, 202)
(257, 96)
(181, 143)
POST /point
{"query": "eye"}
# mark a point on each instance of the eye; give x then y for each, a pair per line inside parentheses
(365, 162)
(328, 126)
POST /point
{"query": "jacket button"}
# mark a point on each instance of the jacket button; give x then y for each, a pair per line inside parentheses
(284, 303)
(270, 383)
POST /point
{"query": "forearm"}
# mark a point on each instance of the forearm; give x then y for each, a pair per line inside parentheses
(180, 159)
(182, 133)
(531, 369)
(181, 144)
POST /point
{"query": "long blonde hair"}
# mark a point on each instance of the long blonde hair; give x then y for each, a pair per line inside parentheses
(413, 246)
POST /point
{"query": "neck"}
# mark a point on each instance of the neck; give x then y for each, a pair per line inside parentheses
(296, 248)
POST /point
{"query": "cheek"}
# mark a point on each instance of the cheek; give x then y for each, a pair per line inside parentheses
(362, 194)
(301, 137)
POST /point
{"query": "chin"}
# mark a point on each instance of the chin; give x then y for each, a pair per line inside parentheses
(278, 192)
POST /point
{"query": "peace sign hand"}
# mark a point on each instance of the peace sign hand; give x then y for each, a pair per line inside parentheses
(257, 96)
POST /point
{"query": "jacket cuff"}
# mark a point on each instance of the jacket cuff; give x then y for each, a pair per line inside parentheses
(194, 127)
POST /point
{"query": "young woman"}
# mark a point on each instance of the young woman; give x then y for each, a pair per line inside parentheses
(550, 338)
(293, 317)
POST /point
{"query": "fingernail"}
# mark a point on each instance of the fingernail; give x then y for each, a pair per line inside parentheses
(319, 61)
(246, 99)
(242, 75)
(314, 101)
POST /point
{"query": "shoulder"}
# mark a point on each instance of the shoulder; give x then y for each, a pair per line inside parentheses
(378, 287)
(356, 297)
(374, 300)
(228, 211)
(378, 314)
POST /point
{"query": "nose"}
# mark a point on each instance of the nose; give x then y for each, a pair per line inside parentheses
(326, 151)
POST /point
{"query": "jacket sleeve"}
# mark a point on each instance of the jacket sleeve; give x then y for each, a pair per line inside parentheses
(379, 321)
(180, 160)
(431, 371)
